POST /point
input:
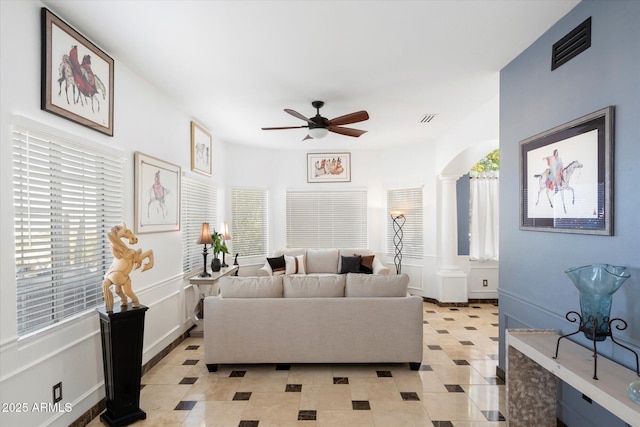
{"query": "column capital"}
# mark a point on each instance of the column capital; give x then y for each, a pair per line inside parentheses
(448, 177)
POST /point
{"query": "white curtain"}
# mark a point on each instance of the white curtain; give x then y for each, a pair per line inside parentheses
(484, 217)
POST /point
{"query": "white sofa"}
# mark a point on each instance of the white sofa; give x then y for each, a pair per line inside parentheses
(318, 261)
(352, 318)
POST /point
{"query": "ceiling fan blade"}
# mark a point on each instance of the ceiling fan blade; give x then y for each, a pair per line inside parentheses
(358, 116)
(346, 131)
(298, 115)
(285, 127)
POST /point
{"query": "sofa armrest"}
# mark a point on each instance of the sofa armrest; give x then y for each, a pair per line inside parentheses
(265, 270)
(379, 267)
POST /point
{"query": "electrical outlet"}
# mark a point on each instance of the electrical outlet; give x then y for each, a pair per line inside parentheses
(485, 282)
(57, 392)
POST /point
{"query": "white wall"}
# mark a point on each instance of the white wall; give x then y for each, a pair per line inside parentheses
(144, 120)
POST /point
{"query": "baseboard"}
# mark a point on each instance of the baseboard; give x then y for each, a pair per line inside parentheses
(99, 407)
(460, 304)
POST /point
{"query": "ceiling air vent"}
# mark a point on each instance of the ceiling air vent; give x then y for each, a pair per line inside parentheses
(571, 45)
(427, 118)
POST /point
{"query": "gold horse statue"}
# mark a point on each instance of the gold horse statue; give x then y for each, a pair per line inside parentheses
(126, 260)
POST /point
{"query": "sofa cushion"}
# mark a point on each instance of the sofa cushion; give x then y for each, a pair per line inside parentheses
(366, 264)
(314, 286)
(350, 264)
(322, 261)
(294, 264)
(367, 285)
(250, 287)
(277, 263)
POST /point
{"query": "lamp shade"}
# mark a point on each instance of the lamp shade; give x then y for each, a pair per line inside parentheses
(397, 213)
(205, 235)
(224, 231)
(317, 133)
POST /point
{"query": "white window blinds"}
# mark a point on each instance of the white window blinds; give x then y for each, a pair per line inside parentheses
(327, 219)
(67, 197)
(409, 201)
(199, 204)
(249, 221)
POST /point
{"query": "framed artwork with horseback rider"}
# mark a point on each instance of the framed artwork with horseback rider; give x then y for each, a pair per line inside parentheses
(77, 77)
(157, 195)
(566, 177)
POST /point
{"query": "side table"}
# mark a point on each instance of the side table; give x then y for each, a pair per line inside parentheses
(206, 286)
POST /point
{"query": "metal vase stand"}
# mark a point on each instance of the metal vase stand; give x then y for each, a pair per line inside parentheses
(583, 328)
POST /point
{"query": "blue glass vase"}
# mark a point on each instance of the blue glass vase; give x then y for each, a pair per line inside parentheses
(597, 283)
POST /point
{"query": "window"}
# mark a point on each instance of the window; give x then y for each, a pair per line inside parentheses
(67, 197)
(409, 201)
(249, 221)
(327, 219)
(199, 204)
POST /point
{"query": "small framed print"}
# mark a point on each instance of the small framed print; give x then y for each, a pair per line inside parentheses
(201, 146)
(328, 167)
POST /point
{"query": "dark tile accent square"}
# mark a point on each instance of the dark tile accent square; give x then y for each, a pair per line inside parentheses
(384, 374)
(309, 415)
(493, 415)
(192, 347)
(442, 331)
(495, 324)
(454, 388)
(189, 380)
(293, 388)
(190, 362)
(466, 343)
(442, 423)
(236, 374)
(409, 395)
(425, 322)
(434, 347)
(461, 362)
(142, 386)
(494, 338)
(494, 380)
(283, 367)
(473, 316)
(471, 328)
(449, 319)
(242, 395)
(475, 306)
(426, 368)
(430, 311)
(185, 405)
(248, 423)
(360, 405)
(340, 380)
(454, 309)
(496, 314)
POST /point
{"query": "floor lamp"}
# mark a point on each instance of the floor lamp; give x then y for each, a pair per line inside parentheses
(398, 221)
(224, 234)
(205, 239)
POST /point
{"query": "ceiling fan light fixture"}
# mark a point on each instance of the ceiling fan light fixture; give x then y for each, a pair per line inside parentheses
(318, 133)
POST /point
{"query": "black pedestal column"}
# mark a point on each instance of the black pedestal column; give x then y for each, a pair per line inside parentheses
(122, 332)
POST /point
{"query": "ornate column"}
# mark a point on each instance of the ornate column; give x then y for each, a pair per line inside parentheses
(452, 281)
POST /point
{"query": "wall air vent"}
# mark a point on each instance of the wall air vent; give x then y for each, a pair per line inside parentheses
(427, 118)
(571, 45)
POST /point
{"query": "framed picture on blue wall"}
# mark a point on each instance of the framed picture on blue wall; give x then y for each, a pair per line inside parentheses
(566, 177)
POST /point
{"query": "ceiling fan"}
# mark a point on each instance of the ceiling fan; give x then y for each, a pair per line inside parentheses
(319, 126)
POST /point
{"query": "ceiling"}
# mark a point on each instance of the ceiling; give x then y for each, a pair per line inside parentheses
(233, 66)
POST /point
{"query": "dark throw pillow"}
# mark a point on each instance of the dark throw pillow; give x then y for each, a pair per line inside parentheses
(366, 264)
(350, 264)
(277, 263)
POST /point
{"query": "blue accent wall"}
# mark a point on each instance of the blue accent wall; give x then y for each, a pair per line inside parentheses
(534, 291)
(463, 191)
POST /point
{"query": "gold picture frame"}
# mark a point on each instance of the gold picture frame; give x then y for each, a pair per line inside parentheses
(201, 147)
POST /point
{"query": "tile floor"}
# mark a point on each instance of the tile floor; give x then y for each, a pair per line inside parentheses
(456, 386)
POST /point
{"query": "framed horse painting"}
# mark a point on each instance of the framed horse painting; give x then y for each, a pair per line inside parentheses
(77, 77)
(157, 195)
(200, 149)
(566, 177)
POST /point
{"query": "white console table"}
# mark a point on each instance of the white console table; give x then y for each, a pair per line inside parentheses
(206, 286)
(532, 372)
